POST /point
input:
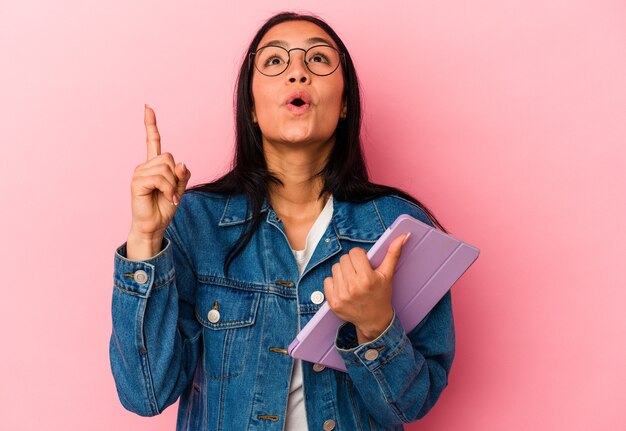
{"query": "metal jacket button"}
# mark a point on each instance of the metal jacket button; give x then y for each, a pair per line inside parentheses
(317, 297)
(213, 316)
(318, 367)
(140, 276)
(329, 425)
(371, 354)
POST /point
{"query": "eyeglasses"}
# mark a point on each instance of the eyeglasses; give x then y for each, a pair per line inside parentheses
(320, 60)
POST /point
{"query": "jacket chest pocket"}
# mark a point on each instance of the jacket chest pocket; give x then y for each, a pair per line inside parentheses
(228, 315)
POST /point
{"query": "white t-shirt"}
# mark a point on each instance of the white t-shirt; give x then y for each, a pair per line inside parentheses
(296, 413)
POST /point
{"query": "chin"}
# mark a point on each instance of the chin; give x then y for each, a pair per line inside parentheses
(295, 136)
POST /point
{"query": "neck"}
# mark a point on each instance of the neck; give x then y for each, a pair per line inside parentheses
(298, 196)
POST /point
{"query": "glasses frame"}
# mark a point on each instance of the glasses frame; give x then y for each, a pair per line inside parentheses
(342, 58)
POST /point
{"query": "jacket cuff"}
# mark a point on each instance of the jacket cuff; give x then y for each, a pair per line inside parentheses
(139, 277)
(374, 353)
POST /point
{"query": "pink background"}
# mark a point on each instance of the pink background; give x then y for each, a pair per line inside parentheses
(506, 117)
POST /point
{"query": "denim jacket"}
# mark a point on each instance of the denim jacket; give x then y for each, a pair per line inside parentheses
(182, 328)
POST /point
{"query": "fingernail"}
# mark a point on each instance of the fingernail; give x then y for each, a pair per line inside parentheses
(406, 238)
(175, 200)
(182, 166)
(145, 105)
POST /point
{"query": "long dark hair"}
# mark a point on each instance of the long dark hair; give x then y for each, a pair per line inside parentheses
(345, 174)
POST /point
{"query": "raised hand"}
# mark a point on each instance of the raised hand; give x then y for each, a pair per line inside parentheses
(156, 188)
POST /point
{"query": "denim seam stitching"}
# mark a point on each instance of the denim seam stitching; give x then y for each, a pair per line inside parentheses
(240, 323)
(121, 287)
(215, 378)
(149, 385)
(220, 403)
(130, 292)
(225, 210)
(167, 281)
(227, 324)
(351, 396)
(237, 284)
(148, 261)
(348, 238)
(177, 240)
(399, 348)
(380, 219)
(386, 393)
(263, 317)
(228, 339)
(245, 286)
(143, 353)
(139, 335)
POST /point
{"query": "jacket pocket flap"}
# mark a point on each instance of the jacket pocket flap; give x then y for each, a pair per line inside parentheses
(222, 307)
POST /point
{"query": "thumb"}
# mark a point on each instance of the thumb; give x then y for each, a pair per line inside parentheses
(183, 174)
(388, 265)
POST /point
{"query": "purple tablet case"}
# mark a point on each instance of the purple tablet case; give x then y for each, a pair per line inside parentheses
(430, 263)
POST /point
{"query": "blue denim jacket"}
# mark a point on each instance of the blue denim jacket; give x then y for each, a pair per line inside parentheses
(232, 372)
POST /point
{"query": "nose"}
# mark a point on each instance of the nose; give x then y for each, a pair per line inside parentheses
(297, 70)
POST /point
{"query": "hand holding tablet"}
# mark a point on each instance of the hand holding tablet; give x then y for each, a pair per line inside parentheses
(430, 263)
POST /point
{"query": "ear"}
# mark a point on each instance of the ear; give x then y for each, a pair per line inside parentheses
(254, 119)
(344, 111)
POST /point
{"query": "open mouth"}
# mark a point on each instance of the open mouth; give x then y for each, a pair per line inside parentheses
(298, 102)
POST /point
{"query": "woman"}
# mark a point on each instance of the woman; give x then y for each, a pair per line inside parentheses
(214, 282)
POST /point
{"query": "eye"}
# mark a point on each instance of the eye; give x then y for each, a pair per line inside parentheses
(273, 61)
(318, 58)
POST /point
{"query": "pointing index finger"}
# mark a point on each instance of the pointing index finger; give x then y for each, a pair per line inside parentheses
(153, 138)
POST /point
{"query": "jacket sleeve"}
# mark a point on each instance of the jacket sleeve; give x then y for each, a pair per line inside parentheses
(156, 340)
(400, 376)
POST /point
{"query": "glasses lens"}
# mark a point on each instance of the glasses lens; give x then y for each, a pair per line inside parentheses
(322, 59)
(271, 60)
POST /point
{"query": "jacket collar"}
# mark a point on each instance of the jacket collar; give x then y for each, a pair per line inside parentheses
(353, 221)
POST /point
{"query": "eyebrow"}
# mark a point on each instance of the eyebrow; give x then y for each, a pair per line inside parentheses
(310, 41)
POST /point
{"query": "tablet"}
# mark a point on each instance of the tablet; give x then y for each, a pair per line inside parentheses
(430, 263)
